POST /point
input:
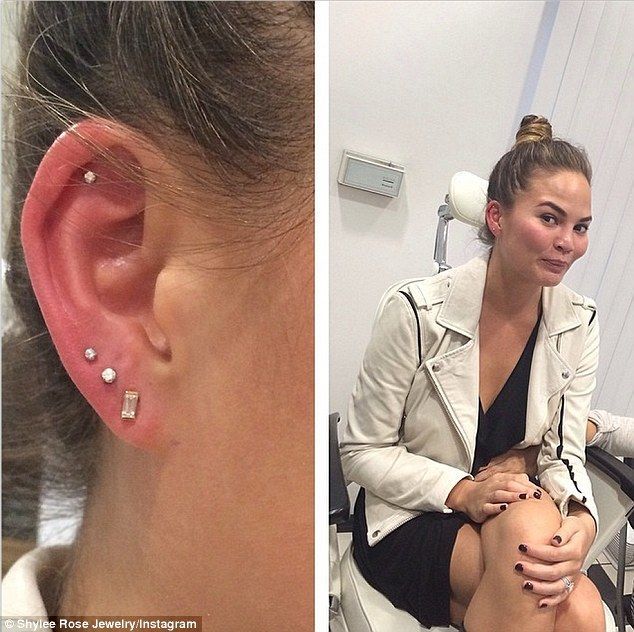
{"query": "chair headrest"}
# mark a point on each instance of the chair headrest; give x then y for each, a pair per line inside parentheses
(467, 198)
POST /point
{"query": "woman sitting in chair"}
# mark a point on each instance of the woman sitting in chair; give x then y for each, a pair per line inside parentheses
(493, 355)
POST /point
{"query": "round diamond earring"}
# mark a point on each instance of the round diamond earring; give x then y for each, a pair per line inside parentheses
(90, 177)
(108, 375)
(90, 354)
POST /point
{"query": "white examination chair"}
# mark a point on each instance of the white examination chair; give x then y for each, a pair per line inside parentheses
(357, 607)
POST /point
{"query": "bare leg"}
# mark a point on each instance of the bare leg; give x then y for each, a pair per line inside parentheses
(500, 601)
(465, 571)
(494, 598)
(582, 611)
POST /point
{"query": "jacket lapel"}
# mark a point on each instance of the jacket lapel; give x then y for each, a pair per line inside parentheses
(455, 374)
(461, 308)
(549, 370)
(452, 375)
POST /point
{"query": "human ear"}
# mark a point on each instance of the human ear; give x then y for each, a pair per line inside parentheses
(492, 216)
(94, 251)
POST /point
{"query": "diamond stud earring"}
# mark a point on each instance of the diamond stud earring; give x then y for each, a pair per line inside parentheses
(90, 354)
(130, 402)
(90, 177)
(108, 375)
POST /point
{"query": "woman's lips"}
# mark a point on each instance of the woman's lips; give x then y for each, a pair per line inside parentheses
(555, 265)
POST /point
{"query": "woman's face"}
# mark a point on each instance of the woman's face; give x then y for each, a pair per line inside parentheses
(546, 231)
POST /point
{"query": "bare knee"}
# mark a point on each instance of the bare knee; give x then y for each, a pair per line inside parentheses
(582, 611)
(525, 522)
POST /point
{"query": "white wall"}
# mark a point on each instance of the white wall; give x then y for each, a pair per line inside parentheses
(441, 87)
(434, 86)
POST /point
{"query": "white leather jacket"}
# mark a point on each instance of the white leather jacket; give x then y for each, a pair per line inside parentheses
(410, 432)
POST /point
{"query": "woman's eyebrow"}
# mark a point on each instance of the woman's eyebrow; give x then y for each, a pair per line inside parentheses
(561, 211)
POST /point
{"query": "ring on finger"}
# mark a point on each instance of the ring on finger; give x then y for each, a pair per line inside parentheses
(568, 583)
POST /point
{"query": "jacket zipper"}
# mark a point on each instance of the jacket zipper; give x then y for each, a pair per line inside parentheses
(459, 431)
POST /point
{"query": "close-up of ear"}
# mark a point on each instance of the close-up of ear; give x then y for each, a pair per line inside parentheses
(493, 214)
(93, 256)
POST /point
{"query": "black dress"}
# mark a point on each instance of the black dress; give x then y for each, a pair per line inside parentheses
(410, 566)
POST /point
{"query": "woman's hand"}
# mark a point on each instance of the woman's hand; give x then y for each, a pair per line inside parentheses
(482, 499)
(546, 564)
(511, 462)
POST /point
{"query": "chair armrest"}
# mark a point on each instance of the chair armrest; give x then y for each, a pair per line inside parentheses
(339, 501)
(614, 468)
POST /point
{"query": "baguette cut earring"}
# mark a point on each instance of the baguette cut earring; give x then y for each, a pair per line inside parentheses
(108, 375)
(130, 401)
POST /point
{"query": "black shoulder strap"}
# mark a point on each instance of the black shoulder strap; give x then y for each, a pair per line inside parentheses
(413, 305)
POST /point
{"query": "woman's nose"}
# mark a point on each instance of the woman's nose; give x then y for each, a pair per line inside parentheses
(564, 243)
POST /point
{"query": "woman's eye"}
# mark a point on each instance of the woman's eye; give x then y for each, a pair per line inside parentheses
(582, 228)
(549, 219)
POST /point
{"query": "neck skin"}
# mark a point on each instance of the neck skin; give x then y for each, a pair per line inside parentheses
(507, 294)
(171, 537)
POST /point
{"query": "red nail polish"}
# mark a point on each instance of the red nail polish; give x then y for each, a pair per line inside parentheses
(557, 539)
(519, 567)
(528, 586)
(503, 507)
(523, 496)
(523, 548)
(537, 494)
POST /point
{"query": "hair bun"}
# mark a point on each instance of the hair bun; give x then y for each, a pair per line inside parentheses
(533, 129)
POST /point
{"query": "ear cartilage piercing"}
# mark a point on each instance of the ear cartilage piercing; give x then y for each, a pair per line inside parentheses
(90, 177)
(90, 354)
(108, 375)
(130, 401)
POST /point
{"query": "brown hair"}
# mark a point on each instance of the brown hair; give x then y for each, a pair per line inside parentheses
(230, 83)
(535, 149)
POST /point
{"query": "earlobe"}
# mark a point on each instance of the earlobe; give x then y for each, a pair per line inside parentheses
(93, 267)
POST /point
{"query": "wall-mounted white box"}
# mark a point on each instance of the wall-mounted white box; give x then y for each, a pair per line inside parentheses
(370, 174)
